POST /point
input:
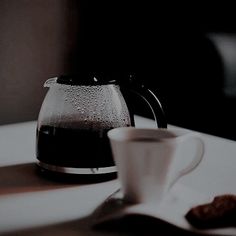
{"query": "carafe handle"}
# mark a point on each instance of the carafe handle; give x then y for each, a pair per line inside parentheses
(151, 99)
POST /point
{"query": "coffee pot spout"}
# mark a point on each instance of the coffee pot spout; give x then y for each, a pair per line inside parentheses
(50, 82)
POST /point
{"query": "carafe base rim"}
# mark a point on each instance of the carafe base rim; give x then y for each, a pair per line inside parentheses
(75, 170)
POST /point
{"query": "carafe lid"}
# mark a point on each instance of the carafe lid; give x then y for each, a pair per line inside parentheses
(95, 78)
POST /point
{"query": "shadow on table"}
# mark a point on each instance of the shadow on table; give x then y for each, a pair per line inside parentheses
(142, 225)
(27, 178)
(130, 225)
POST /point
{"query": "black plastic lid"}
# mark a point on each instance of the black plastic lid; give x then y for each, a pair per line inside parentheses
(94, 78)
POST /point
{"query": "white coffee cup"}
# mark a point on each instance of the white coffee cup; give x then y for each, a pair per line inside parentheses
(150, 161)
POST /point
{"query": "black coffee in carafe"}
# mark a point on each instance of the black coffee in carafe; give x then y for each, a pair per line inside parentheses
(71, 147)
(74, 119)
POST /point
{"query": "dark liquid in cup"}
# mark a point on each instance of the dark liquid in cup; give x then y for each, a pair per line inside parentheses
(76, 148)
(159, 137)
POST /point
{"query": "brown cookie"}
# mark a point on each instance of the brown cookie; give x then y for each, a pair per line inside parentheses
(221, 212)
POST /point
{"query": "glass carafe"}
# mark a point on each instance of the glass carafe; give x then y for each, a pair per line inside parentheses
(74, 119)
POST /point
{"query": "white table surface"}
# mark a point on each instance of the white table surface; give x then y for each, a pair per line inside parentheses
(31, 205)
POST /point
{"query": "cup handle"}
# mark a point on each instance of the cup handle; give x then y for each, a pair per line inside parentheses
(197, 157)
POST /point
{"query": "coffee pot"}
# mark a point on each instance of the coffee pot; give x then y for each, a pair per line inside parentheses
(75, 116)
